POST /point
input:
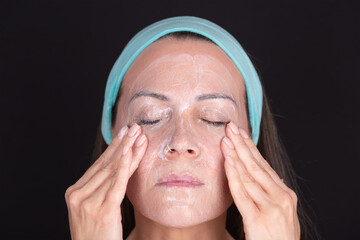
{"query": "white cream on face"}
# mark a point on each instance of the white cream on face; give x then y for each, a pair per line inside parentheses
(181, 75)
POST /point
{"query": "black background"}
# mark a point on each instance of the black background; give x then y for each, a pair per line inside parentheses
(55, 57)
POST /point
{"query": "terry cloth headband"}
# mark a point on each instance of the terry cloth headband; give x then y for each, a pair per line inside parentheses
(189, 24)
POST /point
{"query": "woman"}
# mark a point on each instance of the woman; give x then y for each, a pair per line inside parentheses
(189, 128)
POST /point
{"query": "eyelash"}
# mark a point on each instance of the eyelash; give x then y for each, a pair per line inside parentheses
(147, 122)
(216, 124)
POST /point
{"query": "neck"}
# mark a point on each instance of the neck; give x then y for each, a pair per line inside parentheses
(147, 229)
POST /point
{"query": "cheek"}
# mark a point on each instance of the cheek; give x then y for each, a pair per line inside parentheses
(213, 163)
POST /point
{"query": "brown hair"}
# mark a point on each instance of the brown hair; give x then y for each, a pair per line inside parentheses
(269, 145)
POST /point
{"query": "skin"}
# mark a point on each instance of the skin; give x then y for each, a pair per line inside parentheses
(183, 94)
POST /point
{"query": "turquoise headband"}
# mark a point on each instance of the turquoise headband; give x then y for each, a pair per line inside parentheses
(190, 24)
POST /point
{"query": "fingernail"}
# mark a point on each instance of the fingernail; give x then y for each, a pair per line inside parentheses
(229, 160)
(140, 140)
(228, 142)
(123, 132)
(133, 130)
(234, 128)
(243, 133)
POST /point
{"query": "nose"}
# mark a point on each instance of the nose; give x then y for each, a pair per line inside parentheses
(182, 145)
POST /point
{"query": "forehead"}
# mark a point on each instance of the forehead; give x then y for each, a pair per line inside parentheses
(200, 65)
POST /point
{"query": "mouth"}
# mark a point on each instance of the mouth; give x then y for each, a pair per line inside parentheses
(174, 180)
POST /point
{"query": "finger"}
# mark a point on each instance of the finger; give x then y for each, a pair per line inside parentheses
(125, 145)
(243, 201)
(108, 160)
(101, 161)
(251, 163)
(116, 193)
(279, 181)
(253, 189)
(138, 152)
(120, 138)
(97, 197)
(117, 190)
(94, 182)
(109, 171)
(251, 145)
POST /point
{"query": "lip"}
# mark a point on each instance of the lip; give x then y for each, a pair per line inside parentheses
(174, 180)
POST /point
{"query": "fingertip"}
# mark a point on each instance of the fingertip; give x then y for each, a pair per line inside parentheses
(222, 145)
(134, 130)
(228, 130)
(140, 146)
(123, 131)
(140, 140)
(139, 152)
(234, 128)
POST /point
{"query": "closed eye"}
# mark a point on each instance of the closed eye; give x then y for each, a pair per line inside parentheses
(148, 122)
(216, 124)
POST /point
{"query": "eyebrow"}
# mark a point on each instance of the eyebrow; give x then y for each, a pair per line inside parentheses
(214, 96)
(149, 94)
(166, 99)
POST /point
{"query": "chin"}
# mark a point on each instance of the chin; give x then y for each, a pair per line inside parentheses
(183, 215)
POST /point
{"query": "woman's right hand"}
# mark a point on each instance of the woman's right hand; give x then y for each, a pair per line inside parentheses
(94, 201)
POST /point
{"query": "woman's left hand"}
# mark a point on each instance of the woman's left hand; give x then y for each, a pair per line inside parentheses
(266, 204)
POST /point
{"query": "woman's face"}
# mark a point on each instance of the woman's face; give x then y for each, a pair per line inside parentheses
(182, 93)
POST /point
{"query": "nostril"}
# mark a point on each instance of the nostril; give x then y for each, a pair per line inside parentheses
(190, 151)
(172, 150)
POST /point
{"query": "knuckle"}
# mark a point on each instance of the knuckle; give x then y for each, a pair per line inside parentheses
(254, 166)
(118, 185)
(73, 198)
(265, 177)
(124, 164)
(278, 214)
(233, 155)
(246, 178)
(241, 144)
(287, 201)
(243, 195)
(293, 196)
(267, 164)
(68, 191)
(253, 148)
(116, 140)
(101, 161)
(127, 140)
(87, 207)
(251, 144)
(108, 167)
